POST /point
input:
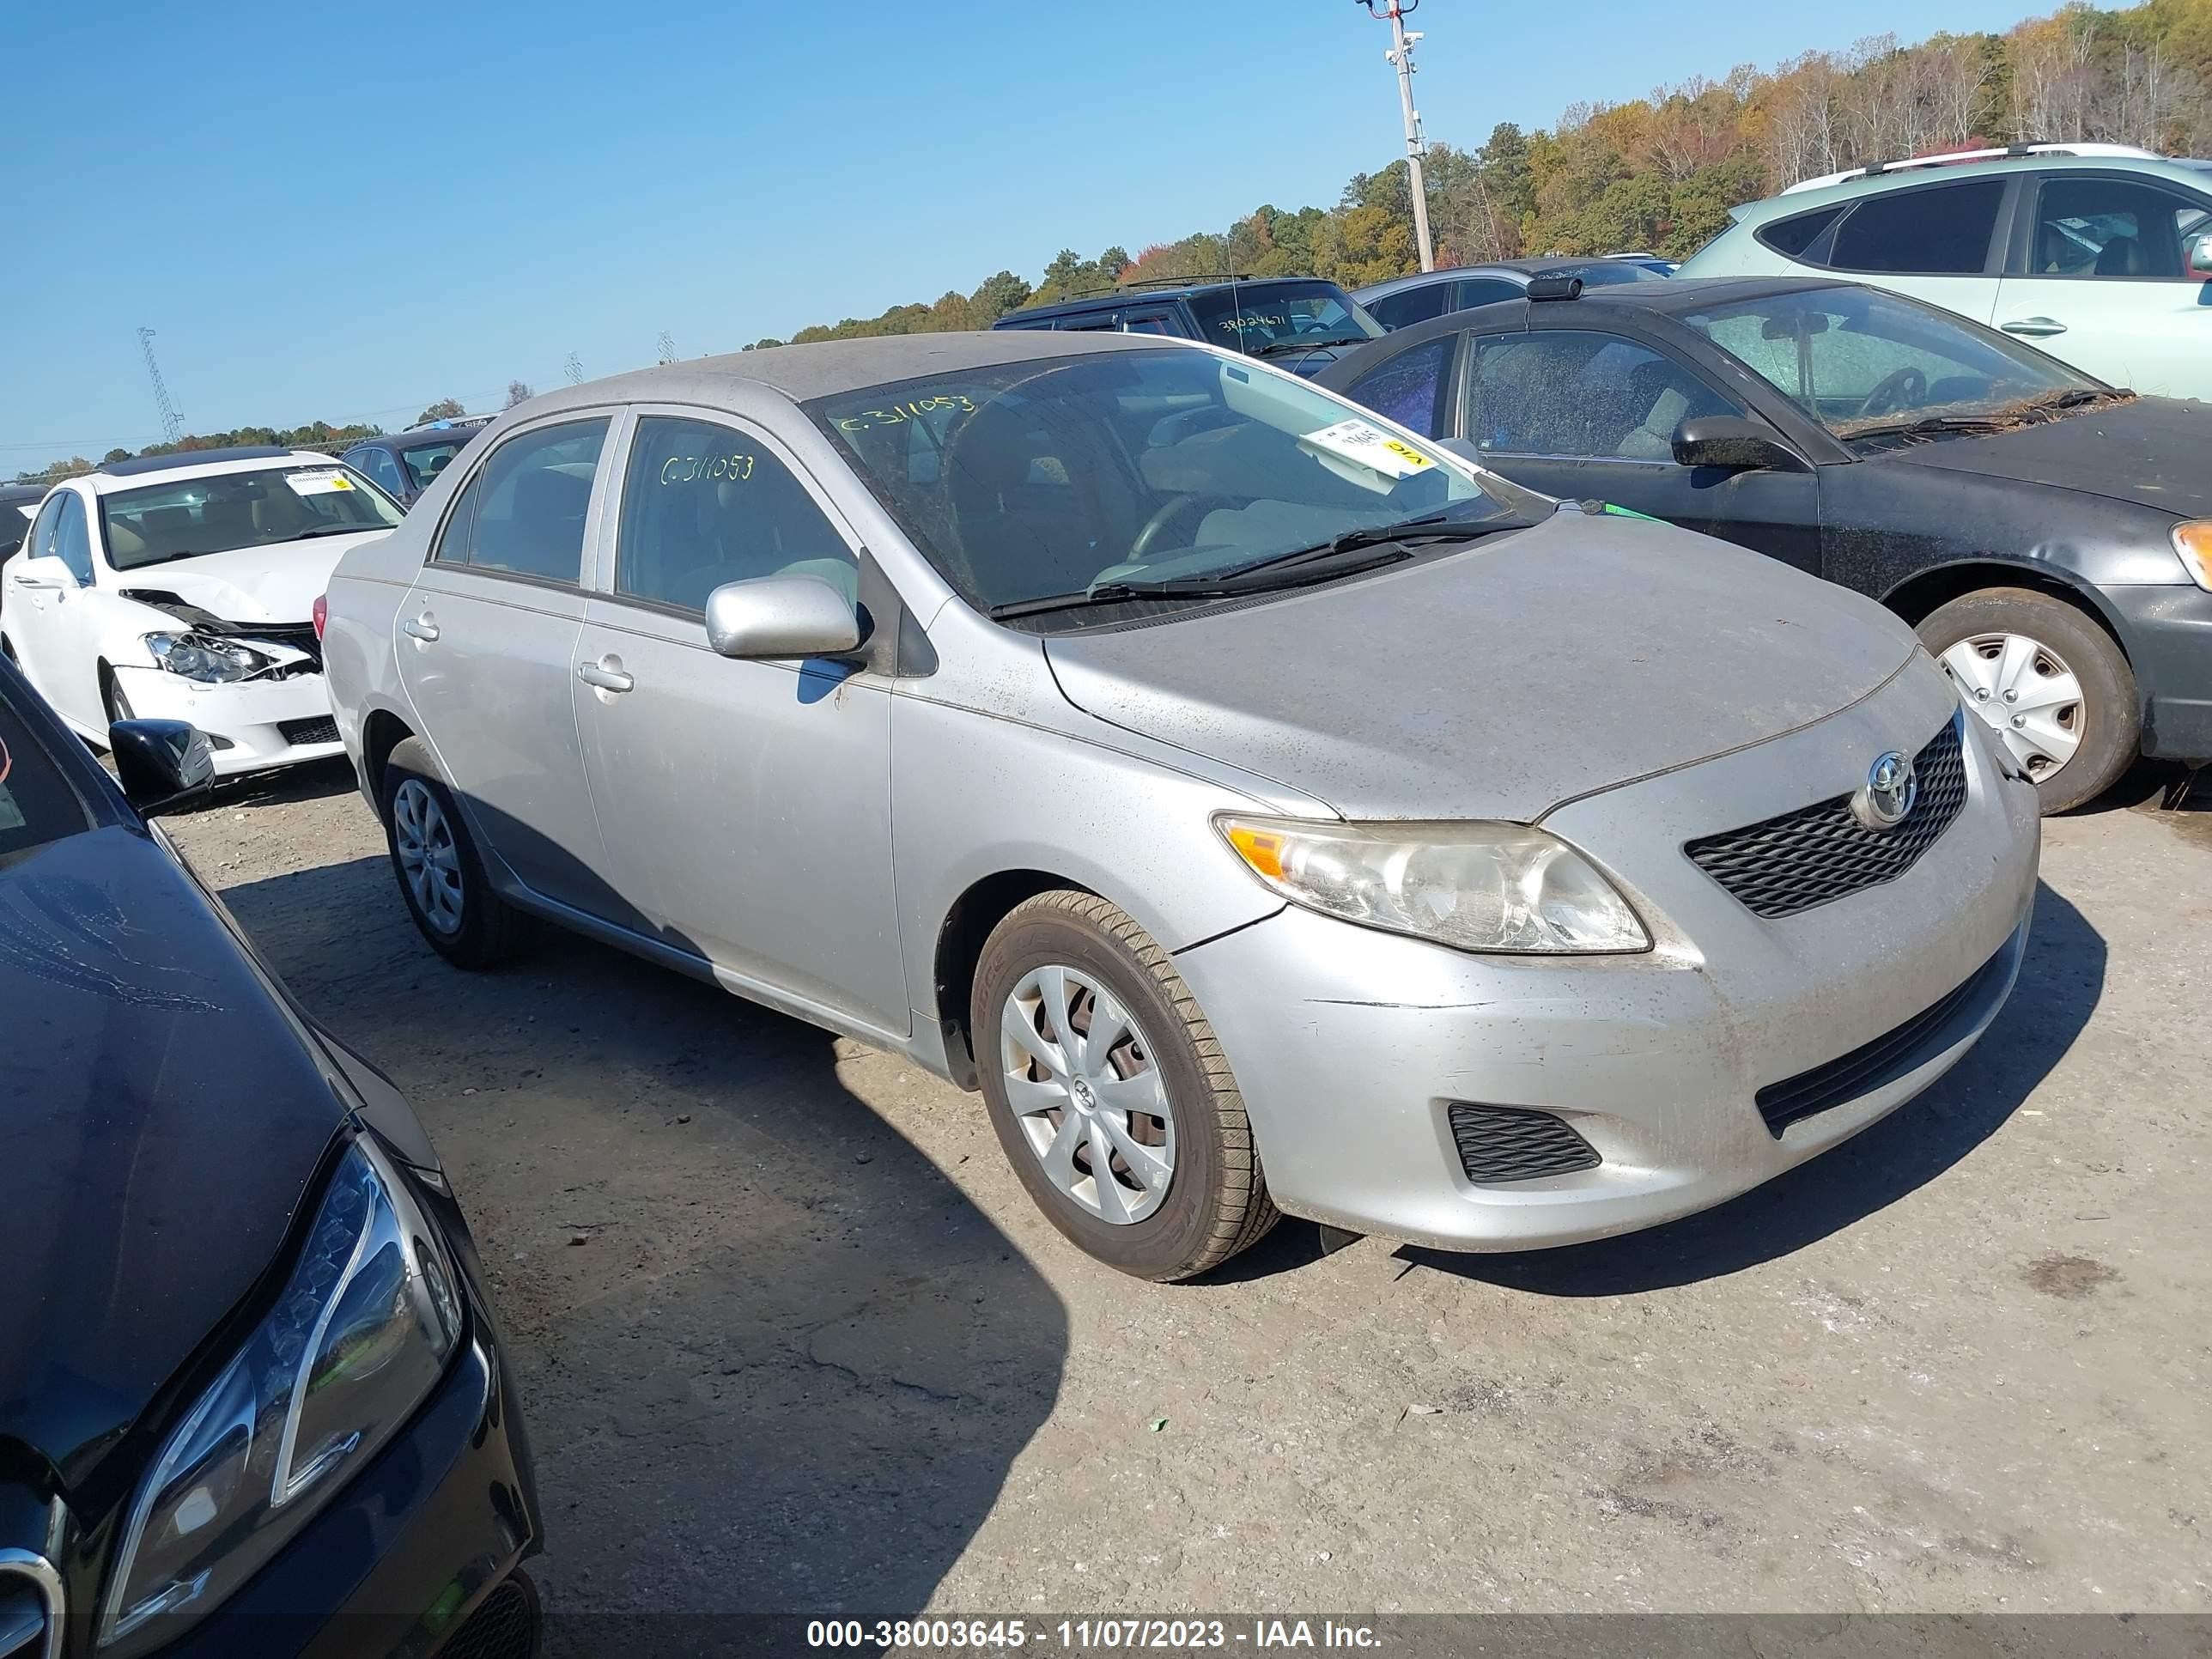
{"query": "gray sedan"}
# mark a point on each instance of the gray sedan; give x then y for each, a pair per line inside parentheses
(1265, 809)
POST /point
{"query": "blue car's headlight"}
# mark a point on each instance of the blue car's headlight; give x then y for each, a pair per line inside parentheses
(361, 1334)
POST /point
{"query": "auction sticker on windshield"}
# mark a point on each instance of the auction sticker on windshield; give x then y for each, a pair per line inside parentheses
(319, 482)
(1371, 446)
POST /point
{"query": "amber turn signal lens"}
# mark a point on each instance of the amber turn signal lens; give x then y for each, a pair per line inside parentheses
(1262, 849)
(2193, 541)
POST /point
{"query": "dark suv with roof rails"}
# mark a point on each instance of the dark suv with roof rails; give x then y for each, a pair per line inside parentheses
(1299, 322)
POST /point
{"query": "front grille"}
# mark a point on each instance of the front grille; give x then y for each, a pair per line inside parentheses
(322, 729)
(30, 1609)
(1875, 1065)
(503, 1626)
(1510, 1143)
(1820, 853)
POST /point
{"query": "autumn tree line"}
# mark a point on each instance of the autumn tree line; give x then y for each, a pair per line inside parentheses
(1658, 173)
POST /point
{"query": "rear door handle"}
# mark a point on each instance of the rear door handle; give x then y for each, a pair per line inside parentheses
(424, 627)
(2036, 327)
(604, 676)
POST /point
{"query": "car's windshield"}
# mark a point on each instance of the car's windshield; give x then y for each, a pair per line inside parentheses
(425, 462)
(1265, 315)
(37, 804)
(1857, 360)
(1062, 474)
(229, 510)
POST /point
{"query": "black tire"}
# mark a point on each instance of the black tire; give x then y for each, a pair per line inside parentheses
(118, 704)
(1216, 1201)
(2110, 718)
(488, 930)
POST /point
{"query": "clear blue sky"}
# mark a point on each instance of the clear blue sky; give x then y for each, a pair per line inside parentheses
(344, 212)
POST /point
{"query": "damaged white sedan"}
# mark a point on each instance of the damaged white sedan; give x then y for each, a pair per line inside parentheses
(187, 588)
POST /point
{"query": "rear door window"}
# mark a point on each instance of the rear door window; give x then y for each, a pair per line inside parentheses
(1941, 230)
(524, 511)
(1412, 305)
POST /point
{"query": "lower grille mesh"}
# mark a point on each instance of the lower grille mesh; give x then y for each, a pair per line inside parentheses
(322, 730)
(1820, 853)
(1510, 1143)
(504, 1626)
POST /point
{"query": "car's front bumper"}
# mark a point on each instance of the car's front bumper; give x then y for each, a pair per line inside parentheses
(1350, 1045)
(251, 724)
(2168, 632)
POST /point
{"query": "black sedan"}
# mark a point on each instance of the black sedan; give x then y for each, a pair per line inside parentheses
(2050, 535)
(252, 1397)
(406, 463)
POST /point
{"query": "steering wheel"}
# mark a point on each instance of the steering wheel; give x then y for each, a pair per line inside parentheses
(1173, 508)
(1905, 385)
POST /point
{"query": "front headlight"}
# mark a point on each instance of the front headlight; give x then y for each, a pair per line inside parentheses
(1476, 886)
(206, 657)
(360, 1336)
(2193, 541)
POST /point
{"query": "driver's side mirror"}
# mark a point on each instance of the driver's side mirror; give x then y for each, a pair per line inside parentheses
(163, 764)
(782, 617)
(48, 575)
(1733, 443)
(2197, 252)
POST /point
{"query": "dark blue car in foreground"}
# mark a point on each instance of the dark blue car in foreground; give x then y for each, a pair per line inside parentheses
(252, 1397)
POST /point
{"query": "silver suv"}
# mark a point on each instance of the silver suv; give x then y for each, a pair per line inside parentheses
(2101, 258)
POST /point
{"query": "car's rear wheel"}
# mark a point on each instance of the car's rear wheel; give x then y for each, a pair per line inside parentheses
(2049, 681)
(1110, 1093)
(441, 877)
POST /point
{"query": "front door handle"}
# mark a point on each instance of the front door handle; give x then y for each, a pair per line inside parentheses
(424, 627)
(2034, 327)
(605, 674)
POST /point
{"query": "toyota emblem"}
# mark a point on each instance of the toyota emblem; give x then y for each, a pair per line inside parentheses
(1892, 787)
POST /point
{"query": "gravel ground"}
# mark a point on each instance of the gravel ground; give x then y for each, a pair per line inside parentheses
(792, 1339)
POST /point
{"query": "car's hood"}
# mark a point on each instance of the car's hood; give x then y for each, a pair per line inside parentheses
(277, 583)
(1498, 682)
(161, 1120)
(2151, 451)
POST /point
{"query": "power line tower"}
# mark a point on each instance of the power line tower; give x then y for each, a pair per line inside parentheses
(666, 346)
(1401, 55)
(573, 367)
(173, 423)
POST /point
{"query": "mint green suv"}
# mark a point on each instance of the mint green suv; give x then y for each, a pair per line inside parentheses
(2104, 261)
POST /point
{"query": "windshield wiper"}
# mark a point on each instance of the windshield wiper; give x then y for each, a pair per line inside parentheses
(1219, 585)
(337, 530)
(1405, 532)
(1274, 346)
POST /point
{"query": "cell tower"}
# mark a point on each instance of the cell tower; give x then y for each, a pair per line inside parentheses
(666, 346)
(573, 367)
(173, 423)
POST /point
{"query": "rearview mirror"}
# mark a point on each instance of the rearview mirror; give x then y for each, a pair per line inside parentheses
(780, 617)
(1734, 444)
(163, 764)
(2198, 253)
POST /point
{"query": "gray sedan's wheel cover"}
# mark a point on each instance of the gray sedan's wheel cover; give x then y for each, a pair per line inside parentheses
(429, 863)
(2026, 694)
(1084, 1088)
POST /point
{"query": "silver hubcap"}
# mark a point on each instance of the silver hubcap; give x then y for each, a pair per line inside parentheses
(1083, 1086)
(428, 861)
(2026, 692)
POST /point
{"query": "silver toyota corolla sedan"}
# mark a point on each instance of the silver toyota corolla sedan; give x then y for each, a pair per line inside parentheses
(1265, 808)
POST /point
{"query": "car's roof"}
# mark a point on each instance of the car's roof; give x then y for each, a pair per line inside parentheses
(1116, 298)
(827, 366)
(15, 495)
(1676, 295)
(1513, 270)
(241, 458)
(419, 437)
(1798, 201)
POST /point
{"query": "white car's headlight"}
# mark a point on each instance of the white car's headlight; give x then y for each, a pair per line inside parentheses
(361, 1333)
(1475, 886)
(206, 657)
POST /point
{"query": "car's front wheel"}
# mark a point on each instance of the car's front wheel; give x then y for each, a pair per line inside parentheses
(2053, 686)
(441, 877)
(1110, 1093)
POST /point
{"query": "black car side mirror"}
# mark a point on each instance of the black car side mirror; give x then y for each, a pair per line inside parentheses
(163, 764)
(1733, 444)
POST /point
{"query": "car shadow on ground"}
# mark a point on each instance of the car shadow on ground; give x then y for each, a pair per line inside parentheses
(2060, 983)
(771, 1359)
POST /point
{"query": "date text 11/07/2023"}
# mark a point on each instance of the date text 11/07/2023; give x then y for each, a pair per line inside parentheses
(1090, 1635)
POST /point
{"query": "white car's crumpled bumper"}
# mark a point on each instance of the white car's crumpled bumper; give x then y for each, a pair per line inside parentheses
(251, 724)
